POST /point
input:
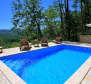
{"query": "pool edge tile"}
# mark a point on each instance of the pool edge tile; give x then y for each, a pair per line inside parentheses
(79, 75)
(73, 81)
(11, 76)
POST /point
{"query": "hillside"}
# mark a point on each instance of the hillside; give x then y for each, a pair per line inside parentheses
(8, 35)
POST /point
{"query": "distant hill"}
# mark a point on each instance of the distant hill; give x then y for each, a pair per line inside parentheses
(8, 35)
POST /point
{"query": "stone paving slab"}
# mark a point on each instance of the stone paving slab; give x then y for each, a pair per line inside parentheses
(8, 76)
(78, 76)
(16, 50)
(3, 79)
(87, 78)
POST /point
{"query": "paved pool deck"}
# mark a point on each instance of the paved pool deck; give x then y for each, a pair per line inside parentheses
(81, 76)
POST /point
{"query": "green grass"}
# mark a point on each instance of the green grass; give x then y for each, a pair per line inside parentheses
(11, 45)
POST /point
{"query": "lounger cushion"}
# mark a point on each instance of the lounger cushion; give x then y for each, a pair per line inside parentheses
(44, 43)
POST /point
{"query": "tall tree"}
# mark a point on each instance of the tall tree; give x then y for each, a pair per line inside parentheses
(75, 2)
(27, 16)
(81, 19)
(61, 15)
(67, 19)
(50, 16)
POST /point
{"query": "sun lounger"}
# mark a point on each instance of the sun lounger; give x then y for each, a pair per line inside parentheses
(57, 40)
(25, 44)
(1, 48)
(44, 42)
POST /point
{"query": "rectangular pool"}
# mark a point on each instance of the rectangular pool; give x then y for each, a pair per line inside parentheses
(51, 65)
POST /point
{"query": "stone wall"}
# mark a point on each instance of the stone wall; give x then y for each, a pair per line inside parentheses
(85, 38)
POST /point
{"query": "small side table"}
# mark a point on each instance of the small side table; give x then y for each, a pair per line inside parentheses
(34, 42)
(1, 49)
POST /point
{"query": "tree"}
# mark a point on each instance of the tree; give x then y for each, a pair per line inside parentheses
(61, 15)
(50, 23)
(27, 16)
(76, 19)
(81, 19)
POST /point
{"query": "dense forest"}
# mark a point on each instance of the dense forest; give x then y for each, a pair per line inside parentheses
(58, 20)
(8, 35)
(8, 38)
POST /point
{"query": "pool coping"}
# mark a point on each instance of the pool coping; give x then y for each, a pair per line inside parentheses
(87, 78)
(10, 75)
(79, 75)
(76, 78)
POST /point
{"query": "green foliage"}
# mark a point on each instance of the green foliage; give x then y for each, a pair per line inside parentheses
(50, 22)
(51, 14)
(58, 20)
(8, 39)
(27, 16)
(2, 42)
(33, 36)
(11, 45)
(8, 35)
(87, 32)
(7, 44)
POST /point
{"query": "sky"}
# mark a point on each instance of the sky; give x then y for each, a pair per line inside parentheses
(6, 13)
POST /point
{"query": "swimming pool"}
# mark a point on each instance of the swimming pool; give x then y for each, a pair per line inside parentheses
(52, 65)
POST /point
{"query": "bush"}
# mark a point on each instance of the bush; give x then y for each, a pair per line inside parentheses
(11, 45)
(2, 42)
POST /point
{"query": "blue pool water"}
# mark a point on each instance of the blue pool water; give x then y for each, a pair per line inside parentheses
(52, 65)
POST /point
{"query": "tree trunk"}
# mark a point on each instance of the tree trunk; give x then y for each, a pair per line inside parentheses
(68, 27)
(81, 19)
(88, 12)
(66, 35)
(76, 19)
(39, 31)
(61, 16)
